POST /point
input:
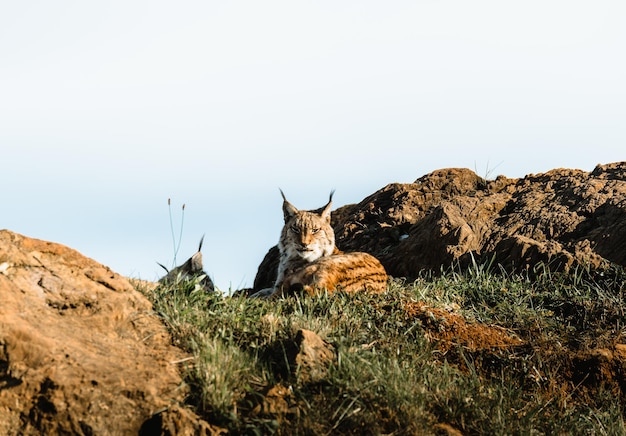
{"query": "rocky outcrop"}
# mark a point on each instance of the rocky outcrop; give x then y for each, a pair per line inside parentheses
(561, 218)
(80, 349)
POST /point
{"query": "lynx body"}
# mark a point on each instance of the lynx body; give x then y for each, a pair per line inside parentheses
(310, 261)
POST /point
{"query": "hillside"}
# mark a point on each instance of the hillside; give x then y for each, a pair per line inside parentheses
(505, 316)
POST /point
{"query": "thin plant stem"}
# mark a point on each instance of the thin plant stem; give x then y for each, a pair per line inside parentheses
(180, 236)
(176, 245)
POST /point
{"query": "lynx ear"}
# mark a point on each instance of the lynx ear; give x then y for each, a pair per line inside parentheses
(326, 210)
(196, 262)
(289, 209)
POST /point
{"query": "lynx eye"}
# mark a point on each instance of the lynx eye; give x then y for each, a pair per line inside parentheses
(295, 229)
(314, 231)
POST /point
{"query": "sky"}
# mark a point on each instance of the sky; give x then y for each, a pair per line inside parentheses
(109, 109)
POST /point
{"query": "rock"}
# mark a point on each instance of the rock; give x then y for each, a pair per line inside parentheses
(313, 357)
(279, 402)
(446, 430)
(178, 421)
(81, 351)
(562, 218)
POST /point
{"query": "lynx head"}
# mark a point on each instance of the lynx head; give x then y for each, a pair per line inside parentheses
(306, 234)
(191, 269)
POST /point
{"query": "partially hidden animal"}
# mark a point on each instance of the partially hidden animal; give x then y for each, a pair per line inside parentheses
(310, 261)
(192, 269)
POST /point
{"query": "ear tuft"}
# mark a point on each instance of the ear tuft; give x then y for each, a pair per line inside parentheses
(330, 198)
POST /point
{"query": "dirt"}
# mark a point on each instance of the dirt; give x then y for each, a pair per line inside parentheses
(453, 337)
(449, 330)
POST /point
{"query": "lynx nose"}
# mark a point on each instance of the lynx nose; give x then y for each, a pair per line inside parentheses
(305, 239)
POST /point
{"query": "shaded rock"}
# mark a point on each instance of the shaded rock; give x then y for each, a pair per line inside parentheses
(80, 350)
(561, 218)
(602, 367)
(267, 271)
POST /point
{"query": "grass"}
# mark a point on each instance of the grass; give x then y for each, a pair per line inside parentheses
(418, 359)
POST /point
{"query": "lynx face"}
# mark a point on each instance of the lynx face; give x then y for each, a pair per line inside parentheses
(306, 234)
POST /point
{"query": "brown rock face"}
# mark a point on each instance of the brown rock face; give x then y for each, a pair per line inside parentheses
(562, 218)
(80, 351)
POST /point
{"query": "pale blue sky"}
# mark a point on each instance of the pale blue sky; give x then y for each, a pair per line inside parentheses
(107, 109)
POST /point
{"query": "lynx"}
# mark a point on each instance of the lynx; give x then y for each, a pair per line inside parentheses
(189, 270)
(310, 261)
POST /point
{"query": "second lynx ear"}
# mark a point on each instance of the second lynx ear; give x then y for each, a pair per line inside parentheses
(326, 212)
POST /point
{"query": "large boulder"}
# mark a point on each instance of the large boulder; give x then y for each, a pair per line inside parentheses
(81, 351)
(561, 218)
